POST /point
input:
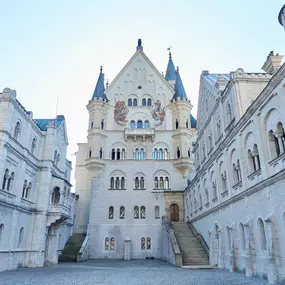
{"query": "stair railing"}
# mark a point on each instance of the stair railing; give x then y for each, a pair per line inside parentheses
(200, 238)
(83, 253)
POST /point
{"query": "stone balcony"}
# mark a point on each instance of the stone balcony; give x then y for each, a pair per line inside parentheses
(183, 164)
(139, 132)
(95, 164)
(7, 197)
(57, 213)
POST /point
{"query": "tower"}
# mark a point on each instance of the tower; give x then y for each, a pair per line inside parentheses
(170, 74)
(98, 108)
(181, 108)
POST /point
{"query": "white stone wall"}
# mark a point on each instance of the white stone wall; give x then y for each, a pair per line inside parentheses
(244, 177)
(28, 163)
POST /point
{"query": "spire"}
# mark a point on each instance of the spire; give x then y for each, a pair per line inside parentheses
(100, 88)
(170, 74)
(179, 88)
(139, 47)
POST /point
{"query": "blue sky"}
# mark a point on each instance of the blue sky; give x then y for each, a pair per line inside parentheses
(55, 48)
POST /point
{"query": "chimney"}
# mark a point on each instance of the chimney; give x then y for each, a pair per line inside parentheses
(272, 63)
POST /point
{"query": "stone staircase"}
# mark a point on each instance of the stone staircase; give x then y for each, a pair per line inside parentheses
(193, 252)
(72, 247)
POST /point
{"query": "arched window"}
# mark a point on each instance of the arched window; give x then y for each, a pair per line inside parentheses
(176, 124)
(21, 238)
(106, 243)
(136, 212)
(55, 156)
(55, 198)
(139, 124)
(146, 124)
(229, 112)
(242, 236)
(166, 183)
(256, 156)
(142, 153)
(117, 183)
(218, 128)
(144, 102)
(207, 195)
(101, 153)
(113, 154)
(214, 186)
(132, 124)
(187, 124)
(148, 243)
(118, 154)
(142, 183)
(161, 184)
(10, 181)
(90, 152)
(123, 183)
(111, 212)
(142, 212)
(5, 178)
(137, 154)
(142, 243)
(1, 232)
(122, 212)
(160, 154)
(102, 124)
(17, 131)
(251, 162)
(229, 238)
(130, 102)
(155, 154)
(25, 186)
(33, 145)
(178, 152)
(137, 183)
(57, 159)
(262, 234)
(156, 212)
(156, 183)
(149, 102)
(123, 153)
(112, 183)
(135, 102)
(91, 125)
(189, 152)
(112, 245)
(28, 191)
(165, 153)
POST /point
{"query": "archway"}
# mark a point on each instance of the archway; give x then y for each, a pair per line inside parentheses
(174, 213)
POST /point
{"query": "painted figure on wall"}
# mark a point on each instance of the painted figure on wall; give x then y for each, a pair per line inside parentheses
(158, 113)
(120, 112)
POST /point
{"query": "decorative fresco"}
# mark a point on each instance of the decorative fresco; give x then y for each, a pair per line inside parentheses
(120, 112)
(158, 113)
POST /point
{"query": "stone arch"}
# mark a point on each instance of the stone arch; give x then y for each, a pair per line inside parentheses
(262, 234)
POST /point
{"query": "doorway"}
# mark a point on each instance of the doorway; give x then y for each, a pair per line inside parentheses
(174, 213)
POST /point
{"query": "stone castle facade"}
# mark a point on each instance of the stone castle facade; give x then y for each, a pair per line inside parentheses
(36, 206)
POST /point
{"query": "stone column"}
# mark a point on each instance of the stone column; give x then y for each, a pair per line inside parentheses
(127, 248)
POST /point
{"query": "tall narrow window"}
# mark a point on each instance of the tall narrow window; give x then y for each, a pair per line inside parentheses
(189, 153)
(187, 124)
(89, 154)
(123, 183)
(118, 154)
(137, 183)
(33, 146)
(123, 153)
(101, 153)
(146, 124)
(17, 131)
(106, 243)
(161, 184)
(25, 186)
(142, 243)
(139, 124)
(166, 182)
(112, 183)
(156, 183)
(165, 153)
(117, 183)
(155, 154)
(142, 183)
(149, 102)
(28, 191)
(21, 238)
(143, 102)
(178, 152)
(102, 124)
(142, 212)
(135, 102)
(111, 212)
(1, 232)
(262, 234)
(176, 124)
(132, 124)
(5, 178)
(113, 154)
(112, 245)
(130, 102)
(91, 125)
(136, 212)
(156, 212)
(10, 181)
(142, 153)
(160, 154)
(148, 243)
(122, 212)
(137, 154)
(242, 236)
(55, 198)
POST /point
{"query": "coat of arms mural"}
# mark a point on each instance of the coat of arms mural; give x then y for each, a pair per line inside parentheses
(158, 113)
(120, 112)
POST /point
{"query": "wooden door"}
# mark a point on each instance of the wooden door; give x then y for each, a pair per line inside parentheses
(174, 213)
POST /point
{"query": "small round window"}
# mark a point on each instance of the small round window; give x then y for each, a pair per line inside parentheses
(139, 87)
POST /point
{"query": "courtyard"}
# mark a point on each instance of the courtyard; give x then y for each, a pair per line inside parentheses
(123, 273)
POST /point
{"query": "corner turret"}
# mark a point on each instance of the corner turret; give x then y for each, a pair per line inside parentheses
(170, 75)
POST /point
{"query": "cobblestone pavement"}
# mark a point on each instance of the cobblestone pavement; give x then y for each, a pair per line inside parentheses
(123, 273)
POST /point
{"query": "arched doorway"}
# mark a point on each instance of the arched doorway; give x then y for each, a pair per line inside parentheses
(174, 213)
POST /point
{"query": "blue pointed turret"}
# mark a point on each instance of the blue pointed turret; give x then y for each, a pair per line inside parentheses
(99, 92)
(170, 71)
(179, 88)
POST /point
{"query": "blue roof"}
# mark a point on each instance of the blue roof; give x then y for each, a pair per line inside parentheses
(99, 91)
(212, 78)
(43, 123)
(170, 71)
(193, 122)
(179, 91)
